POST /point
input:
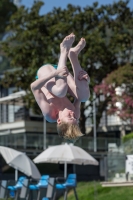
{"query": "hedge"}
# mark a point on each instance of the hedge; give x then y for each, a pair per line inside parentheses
(127, 137)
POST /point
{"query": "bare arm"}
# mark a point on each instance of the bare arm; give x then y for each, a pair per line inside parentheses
(39, 95)
(39, 83)
(41, 101)
(79, 89)
(77, 104)
(84, 75)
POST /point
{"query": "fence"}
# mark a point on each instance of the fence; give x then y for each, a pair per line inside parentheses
(36, 141)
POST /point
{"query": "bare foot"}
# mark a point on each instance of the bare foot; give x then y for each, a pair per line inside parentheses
(67, 42)
(79, 46)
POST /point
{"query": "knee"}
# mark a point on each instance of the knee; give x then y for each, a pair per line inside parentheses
(44, 69)
(61, 92)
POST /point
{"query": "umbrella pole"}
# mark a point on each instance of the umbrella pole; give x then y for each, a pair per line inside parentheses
(65, 169)
(74, 168)
(44, 133)
(16, 174)
(94, 123)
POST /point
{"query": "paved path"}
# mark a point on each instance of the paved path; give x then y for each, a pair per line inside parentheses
(115, 184)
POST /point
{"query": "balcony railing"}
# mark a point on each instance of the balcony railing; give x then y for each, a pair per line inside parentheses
(30, 142)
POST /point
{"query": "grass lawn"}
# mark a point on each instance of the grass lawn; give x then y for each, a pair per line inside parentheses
(94, 191)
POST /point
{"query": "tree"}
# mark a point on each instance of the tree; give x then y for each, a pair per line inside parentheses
(107, 30)
(7, 8)
(117, 87)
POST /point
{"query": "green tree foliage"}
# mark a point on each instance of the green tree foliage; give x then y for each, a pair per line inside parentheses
(117, 88)
(7, 8)
(127, 137)
(107, 30)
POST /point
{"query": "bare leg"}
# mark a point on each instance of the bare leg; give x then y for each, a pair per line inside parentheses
(79, 88)
(58, 86)
(64, 50)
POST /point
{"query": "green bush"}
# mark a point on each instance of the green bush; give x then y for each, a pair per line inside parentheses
(7, 199)
(94, 191)
(127, 137)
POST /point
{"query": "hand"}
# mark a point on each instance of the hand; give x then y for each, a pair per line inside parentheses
(83, 75)
(62, 72)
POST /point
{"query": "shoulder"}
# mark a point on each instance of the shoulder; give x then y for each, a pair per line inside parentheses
(51, 116)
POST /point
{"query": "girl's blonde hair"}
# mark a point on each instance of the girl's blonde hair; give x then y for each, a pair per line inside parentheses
(69, 131)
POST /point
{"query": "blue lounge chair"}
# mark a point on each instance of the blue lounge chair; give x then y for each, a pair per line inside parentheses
(24, 190)
(70, 183)
(50, 189)
(14, 190)
(43, 183)
(3, 188)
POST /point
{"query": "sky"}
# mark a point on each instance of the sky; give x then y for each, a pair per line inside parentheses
(50, 4)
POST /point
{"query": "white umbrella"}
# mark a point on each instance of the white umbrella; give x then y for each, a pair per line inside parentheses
(66, 153)
(19, 161)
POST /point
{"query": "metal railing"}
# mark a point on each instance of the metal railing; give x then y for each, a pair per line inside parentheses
(36, 142)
